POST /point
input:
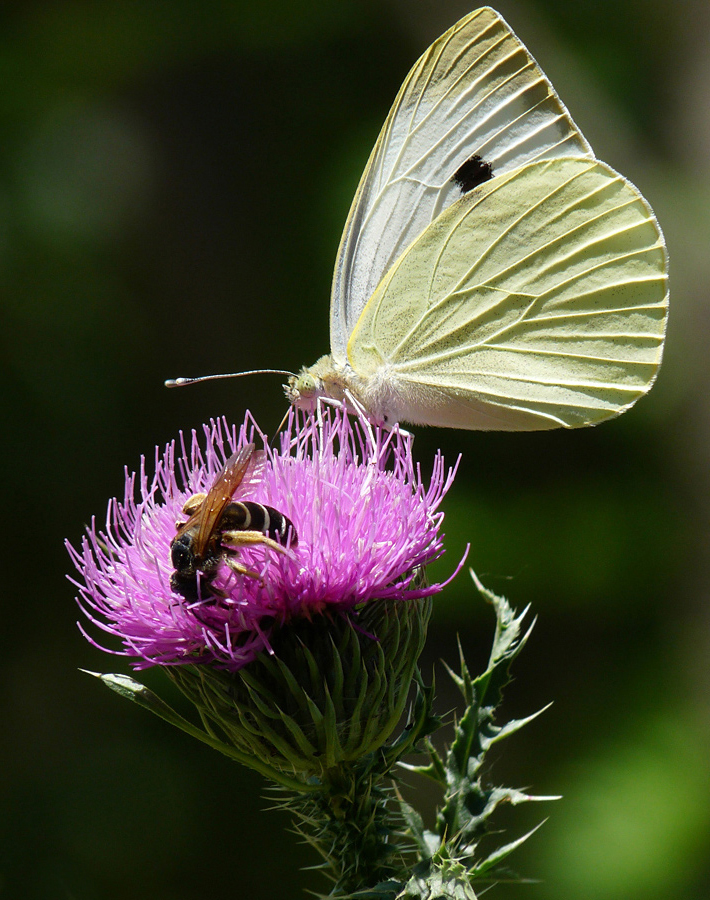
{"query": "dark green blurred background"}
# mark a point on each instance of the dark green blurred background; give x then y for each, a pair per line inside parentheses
(174, 178)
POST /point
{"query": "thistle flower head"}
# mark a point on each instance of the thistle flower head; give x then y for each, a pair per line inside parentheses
(366, 525)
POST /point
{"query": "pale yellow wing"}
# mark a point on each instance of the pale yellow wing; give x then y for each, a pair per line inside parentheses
(537, 300)
(475, 91)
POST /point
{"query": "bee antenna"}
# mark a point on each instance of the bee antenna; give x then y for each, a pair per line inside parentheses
(180, 382)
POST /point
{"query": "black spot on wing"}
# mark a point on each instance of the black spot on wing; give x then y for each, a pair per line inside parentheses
(472, 173)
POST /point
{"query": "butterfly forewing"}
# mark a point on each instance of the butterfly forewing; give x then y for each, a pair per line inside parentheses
(475, 91)
(526, 314)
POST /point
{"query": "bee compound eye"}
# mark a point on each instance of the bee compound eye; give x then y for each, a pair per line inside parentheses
(181, 556)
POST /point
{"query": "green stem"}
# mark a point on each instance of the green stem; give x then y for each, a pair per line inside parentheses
(349, 823)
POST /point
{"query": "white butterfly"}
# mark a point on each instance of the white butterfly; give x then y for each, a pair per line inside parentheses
(493, 274)
(535, 299)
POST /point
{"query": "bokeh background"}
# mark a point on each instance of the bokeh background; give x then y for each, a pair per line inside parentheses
(174, 178)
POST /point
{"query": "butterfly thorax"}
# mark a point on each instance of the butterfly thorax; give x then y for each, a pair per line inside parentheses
(328, 379)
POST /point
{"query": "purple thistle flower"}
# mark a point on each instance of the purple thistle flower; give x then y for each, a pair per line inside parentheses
(365, 521)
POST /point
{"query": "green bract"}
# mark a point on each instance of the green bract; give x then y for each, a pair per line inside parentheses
(332, 691)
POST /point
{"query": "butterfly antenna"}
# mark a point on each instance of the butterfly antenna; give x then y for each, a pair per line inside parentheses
(180, 382)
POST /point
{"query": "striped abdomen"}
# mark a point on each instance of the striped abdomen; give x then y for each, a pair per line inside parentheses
(249, 516)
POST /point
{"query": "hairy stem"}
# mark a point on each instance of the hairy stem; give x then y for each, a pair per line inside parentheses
(350, 823)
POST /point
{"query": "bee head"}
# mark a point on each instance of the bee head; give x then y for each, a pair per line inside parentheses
(182, 557)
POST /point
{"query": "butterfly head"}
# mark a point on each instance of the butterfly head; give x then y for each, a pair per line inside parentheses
(323, 379)
(303, 389)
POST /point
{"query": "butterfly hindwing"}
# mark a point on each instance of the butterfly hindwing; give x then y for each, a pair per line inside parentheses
(537, 300)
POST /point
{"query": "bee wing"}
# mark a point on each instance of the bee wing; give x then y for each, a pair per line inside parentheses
(253, 475)
(219, 495)
(538, 300)
(475, 91)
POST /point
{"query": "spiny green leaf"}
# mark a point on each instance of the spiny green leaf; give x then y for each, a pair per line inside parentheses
(486, 866)
(441, 878)
(435, 769)
(513, 726)
(386, 890)
(507, 644)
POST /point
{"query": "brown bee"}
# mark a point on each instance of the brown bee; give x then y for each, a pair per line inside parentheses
(218, 526)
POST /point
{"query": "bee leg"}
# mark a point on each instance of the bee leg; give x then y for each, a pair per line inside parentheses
(235, 539)
(237, 567)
